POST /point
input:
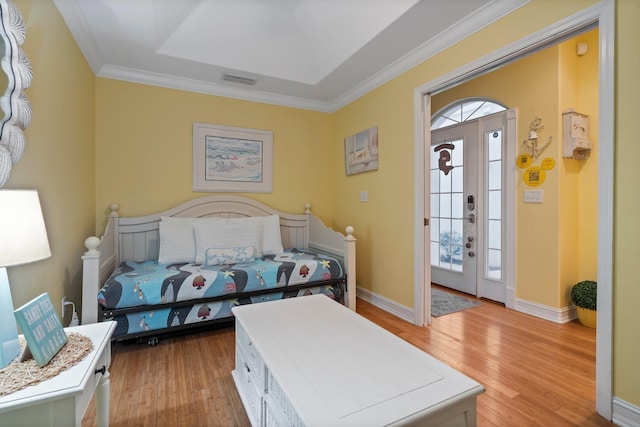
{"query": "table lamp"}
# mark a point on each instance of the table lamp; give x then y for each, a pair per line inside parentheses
(23, 239)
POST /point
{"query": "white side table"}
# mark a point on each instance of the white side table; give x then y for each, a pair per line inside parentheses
(63, 400)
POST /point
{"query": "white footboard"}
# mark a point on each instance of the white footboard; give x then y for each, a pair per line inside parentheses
(137, 238)
(325, 239)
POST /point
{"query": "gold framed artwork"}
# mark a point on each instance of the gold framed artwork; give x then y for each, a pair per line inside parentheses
(361, 151)
(232, 159)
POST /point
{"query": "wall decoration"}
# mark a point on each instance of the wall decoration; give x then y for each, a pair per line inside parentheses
(532, 144)
(361, 151)
(575, 135)
(548, 163)
(444, 161)
(232, 159)
(534, 176)
(41, 328)
(523, 161)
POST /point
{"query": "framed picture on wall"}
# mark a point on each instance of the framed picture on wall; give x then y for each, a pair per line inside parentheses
(361, 151)
(232, 159)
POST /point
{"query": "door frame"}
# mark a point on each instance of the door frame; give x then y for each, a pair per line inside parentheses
(602, 15)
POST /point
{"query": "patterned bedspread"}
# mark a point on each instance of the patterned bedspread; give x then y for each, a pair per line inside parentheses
(149, 283)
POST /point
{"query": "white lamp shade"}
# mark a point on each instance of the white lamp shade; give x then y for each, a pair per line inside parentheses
(23, 237)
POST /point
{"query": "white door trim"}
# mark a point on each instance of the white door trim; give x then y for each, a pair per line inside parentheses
(603, 14)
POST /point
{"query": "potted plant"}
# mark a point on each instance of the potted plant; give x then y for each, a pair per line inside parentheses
(584, 296)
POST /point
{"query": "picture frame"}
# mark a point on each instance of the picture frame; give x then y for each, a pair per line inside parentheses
(232, 159)
(361, 151)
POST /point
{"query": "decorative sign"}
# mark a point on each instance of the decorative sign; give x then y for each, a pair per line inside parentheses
(534, 176)
(445, 157)
(548, 163)
(41, 328)
(523, 161)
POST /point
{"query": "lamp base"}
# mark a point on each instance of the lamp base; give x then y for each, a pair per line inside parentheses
(9, 343)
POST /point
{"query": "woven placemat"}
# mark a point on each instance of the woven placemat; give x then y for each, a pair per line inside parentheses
(18, 375)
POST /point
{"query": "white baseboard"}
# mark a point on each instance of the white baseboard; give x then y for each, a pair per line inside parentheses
(625, 414)
(553, 314)
(398, 310)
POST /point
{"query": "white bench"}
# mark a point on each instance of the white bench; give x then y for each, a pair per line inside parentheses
(310, 361)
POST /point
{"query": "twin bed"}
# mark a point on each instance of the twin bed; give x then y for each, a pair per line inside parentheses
(188, 266)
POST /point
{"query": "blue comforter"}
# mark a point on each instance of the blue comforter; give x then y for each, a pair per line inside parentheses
(149, 283)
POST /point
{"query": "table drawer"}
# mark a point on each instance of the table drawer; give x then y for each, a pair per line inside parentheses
(277, 406)
(252, 393)
(251, 357)
(100, 366)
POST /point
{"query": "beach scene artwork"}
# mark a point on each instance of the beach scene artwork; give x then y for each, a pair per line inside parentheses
(361, 151)
(233, 159)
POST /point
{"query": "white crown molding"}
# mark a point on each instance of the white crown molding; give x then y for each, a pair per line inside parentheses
(462, 29)
(452, 35)
(198, 86)
(77, 25)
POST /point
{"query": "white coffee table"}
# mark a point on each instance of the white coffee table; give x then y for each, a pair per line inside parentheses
(311, 361)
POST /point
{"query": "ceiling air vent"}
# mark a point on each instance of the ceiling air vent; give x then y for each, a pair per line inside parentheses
(239, 79)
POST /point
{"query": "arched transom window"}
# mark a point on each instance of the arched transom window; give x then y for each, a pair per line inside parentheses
(462, 111)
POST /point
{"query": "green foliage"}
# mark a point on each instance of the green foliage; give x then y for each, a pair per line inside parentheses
(584, 294)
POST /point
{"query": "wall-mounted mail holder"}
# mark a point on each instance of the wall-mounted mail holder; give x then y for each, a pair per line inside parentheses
(575, 135)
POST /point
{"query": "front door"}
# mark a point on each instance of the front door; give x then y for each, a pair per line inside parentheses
(454, 192)
(468, 205)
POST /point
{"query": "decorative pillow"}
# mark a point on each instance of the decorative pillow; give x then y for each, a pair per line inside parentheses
(227, 235)
(218, 256)
(177, 243)
(271, 237)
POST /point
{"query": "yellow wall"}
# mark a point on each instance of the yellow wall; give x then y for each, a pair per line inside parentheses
(59, 156)
(144, 140)
(626, 291)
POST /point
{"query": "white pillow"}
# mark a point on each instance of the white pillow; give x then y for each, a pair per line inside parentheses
(215, 256)
(227, 235)
(271, 237)
(177, 243)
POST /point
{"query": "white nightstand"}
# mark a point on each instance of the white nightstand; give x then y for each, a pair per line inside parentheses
(63, 400)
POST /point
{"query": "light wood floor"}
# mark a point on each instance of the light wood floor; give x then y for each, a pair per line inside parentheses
(536, 373)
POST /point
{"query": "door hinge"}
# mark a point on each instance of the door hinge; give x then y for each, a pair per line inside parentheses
(426, 222)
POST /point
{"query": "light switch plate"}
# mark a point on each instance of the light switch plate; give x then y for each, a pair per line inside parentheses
(364, 196)
(533, 196)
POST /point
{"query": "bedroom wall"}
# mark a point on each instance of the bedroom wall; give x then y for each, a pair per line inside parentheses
(144, 149)
(59, 156)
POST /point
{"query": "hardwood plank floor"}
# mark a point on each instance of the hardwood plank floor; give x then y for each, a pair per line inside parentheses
(536, 373)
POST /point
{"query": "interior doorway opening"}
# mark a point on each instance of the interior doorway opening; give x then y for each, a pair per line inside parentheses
(600, 16)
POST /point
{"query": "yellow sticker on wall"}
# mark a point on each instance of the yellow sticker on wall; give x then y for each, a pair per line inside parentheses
(534, 176)
(523, 161)
(548, 164)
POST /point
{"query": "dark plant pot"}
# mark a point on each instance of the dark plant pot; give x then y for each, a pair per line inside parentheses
(587, 317)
